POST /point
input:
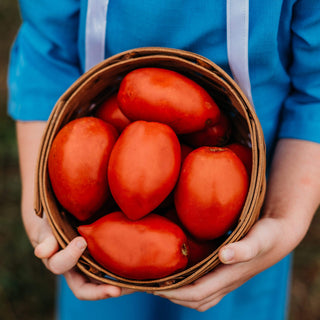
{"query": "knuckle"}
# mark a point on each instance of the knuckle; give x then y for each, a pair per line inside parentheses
(201, 308)
(53, 268)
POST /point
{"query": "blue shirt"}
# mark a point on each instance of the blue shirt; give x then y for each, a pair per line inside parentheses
(284, 68)
(284, 53)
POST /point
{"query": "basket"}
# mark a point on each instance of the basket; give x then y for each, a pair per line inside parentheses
(100, 82)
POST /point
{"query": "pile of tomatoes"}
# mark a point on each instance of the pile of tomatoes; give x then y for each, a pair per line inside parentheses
(153, 177)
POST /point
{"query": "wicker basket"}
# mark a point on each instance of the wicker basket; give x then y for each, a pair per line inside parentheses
(99, 83)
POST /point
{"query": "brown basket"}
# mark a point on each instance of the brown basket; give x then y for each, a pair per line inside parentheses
(99, 83)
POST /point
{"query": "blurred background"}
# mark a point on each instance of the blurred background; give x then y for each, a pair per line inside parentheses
(27, 290)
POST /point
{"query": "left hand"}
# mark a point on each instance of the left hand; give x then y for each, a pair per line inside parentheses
(293, 194)
(241, 261)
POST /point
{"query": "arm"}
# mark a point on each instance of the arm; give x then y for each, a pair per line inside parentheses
(293, 195)
(38, 230)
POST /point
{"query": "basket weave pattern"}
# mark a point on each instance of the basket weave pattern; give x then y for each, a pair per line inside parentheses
(101, 82)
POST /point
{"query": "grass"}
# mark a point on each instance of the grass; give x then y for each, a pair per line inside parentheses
(26, 288)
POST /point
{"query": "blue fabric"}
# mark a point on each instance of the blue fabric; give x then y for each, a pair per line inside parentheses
(284, 65)
(284, 53)
(262, 298)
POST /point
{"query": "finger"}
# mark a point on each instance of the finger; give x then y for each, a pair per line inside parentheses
(209, 304)
(47, 247)
(210, 286)
(84, 289)
(199, 306)
(195, 291)
(67, 258)
(237, 252)
(259, 240)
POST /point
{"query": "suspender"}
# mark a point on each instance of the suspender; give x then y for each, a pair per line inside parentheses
(237, 38)
(237, 43)
(96, 24)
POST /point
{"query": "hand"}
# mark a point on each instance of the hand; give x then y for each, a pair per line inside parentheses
(241, 261)
(292, 198)
(64, 262)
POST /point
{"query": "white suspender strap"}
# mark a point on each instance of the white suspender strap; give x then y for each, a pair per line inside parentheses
(96, 24)
(237, 43)
(237, 38)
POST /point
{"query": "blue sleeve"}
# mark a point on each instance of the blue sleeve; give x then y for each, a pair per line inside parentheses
(44, 58)
(301, 112)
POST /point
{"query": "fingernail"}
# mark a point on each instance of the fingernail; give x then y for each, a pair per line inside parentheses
(227, 255)
(81, 244)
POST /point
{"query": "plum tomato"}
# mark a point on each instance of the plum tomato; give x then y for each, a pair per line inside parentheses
(78, 164)
(210, 192)
(244, 153)
(215, 135)
(166, 96)
(144, 167)
(109, 111)
(198, 249)
(185, 150)
(149, 248)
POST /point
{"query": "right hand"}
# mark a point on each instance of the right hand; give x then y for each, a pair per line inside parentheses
(63, 262)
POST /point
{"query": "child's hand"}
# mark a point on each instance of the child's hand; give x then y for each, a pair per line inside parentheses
(64, 262)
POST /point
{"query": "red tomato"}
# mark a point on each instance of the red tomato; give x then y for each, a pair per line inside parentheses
(150, 248)
(109, 111)
(185, 150)
(216, 135)
(144, 167)
(198, 250)
(77, 164)
(211, 191)
(168, 201)
(244, 153)
(161, 95)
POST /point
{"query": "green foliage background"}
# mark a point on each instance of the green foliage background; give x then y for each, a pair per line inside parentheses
(27, 290)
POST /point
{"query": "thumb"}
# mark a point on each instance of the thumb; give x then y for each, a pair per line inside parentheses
(237, 252)
(258, 240)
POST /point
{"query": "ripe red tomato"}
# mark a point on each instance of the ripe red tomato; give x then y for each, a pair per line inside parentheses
(77, 164)
(198, 249)
(215, 135)
(109, 111)
(161, 95)
(168, 201)
(185, 150)
(244, 153)
(150, 248)
(211, 191)
(144, 167)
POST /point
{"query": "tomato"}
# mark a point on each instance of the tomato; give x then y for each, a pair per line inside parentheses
(144, 167)
(211, 191)
(78, 163)
(161, 95)
(109, 111)
(150, 248)
(198, 250)
(168, 201)
(215, 135)
(244, 153)
(185, 150)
